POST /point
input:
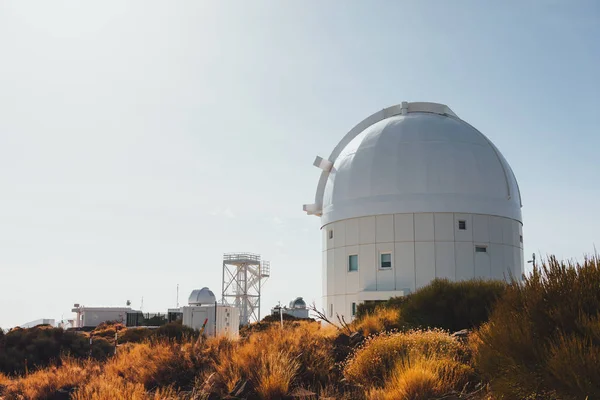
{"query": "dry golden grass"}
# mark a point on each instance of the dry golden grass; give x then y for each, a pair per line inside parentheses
(272, 359)
(109, 387)
(383, 319)
(45, 383)
(275, 374)
(152, 365)
(423, 378)
(372, 363)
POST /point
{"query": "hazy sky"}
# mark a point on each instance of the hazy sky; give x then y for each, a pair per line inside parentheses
(140, 140)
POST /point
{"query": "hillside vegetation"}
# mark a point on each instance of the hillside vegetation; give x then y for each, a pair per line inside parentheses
(538, 339)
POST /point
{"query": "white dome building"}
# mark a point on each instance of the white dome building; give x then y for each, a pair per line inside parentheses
(202, 297)
(410, 194)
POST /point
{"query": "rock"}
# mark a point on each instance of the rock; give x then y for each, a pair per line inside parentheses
(462, 335)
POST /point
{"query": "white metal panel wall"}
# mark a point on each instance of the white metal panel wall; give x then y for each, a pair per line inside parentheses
(445, 266)
(404, 228)
(424, 231)
(444, 227)
(341, 268)
(481, 231)
(498, 266)
(330, 271)
(463, 235)
(339, 234)
(465, 258)
(367, 273)
(482, 265)
(495, 228)
(385, 228)
(366, 230)
(351, 232)
(423, 246)
(425, 262)
(385, 277)
(404, 256)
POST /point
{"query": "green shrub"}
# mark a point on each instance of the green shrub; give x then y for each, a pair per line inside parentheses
(444, 304)
(22, 349)
(175, 331)
(543, 338)
(135, 335)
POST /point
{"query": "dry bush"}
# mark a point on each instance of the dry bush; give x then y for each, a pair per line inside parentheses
(543, 338)
(371, 364)
(45, 383)
(158, 364)
(275, 374)
(423, 378)
(382, 319)
(273, 359)
(109, 387)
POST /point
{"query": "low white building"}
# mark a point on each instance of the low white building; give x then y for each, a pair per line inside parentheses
(203, 313)
(91, 317)
(37, 322)
(297, 308)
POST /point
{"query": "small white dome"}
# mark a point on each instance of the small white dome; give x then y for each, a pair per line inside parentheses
(298, 303)
(202, 296)
(415, 157)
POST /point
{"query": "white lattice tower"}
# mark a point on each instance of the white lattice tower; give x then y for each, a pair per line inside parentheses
(243, 277)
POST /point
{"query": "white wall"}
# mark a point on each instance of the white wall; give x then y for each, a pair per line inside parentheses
(92, 317)
(424, 246)
(227, 320)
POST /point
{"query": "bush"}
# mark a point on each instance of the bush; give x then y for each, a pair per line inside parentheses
(543, 338)
(373, 362)
(443, 304)
(176, 331)
(381, 319)
(424, 378)
(135, 335)
(33, 348)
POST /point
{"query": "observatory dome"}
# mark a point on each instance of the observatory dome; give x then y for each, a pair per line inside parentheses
(411, 194)
(298, 303)
(202, 296)
(415, 157)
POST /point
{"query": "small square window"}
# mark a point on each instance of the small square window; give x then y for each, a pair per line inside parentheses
(353, 262)
(353, 309)
(331, 234)
(462, 224)
(385, 260)
(480, 249)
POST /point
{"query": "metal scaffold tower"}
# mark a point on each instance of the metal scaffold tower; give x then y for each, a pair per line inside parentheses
(243, 277)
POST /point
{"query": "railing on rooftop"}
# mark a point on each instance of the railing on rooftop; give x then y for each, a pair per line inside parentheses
(241, 257)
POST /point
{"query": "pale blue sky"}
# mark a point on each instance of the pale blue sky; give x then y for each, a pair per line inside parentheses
(139, 140)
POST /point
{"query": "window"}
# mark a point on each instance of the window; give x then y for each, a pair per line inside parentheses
(331, 310)
(480, 249)
(385, 260)
(353, 262)
(331, 234)
(353, 309)
(462, 224)
(521, 238)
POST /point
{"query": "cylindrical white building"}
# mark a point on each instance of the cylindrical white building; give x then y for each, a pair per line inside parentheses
(410, 194)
